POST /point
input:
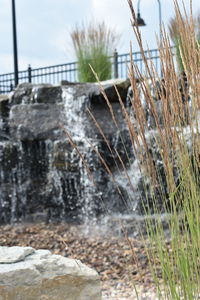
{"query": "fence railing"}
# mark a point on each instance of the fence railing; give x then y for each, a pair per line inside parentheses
(69, 71)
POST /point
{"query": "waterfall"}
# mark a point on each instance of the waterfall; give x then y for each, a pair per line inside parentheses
(42, 175)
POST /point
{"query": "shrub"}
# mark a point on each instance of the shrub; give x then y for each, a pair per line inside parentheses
(93, 44)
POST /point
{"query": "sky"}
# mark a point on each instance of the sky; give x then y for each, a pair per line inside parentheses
(44, 26)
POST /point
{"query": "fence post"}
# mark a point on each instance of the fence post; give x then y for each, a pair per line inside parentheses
(115, 64)
(29, 74)
(11, 87)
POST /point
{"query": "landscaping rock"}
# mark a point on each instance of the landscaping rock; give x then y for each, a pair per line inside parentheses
(10, 255)
(42, 177)
(29, 274)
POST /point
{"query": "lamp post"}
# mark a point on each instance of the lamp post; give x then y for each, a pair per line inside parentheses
(15, 43)
(141, 22)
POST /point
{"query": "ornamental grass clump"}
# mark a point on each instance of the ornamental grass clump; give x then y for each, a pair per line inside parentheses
(94, 44)
(172, 172)
(175, 268)
(178, 41)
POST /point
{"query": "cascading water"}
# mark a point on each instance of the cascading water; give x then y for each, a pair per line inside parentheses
(43, 178)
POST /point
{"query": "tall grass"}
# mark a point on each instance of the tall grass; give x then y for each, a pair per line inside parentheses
(175, 268)
(94, 44)
(178, 142)
(175, 37)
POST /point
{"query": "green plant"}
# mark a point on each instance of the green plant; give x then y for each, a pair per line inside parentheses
(178, 38)
(175, 265)
(93, 44)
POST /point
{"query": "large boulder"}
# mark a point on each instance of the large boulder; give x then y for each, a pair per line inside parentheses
(29, 274)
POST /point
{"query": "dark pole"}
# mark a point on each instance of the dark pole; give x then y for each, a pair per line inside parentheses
(138, 7)
(115, 64)
(15, 43)
(160, 25)
(159, 13)
(160, 19)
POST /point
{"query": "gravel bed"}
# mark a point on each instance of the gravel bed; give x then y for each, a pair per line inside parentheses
(121, 263)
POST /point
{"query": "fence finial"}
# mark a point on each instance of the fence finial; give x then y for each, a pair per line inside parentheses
(115, 64)
(29, 74)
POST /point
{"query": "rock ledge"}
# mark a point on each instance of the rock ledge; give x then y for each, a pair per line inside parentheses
(26, 273)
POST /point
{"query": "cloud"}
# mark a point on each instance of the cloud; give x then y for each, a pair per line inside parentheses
(43, 27)
(62, 45)
(114, 12)
(6, 62)
(116, 15)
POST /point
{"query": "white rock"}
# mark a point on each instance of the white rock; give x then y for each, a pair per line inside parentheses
(40, 275)
(14, 254)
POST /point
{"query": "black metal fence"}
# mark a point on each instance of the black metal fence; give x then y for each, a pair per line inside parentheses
(69, 71)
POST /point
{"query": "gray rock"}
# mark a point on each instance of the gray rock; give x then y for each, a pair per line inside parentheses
(10, 255)
(40, 122)
(41, 275)
(42, 176)
(109, 88)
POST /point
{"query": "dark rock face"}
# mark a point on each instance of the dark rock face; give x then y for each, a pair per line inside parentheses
(53, 155)
(42, 177)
